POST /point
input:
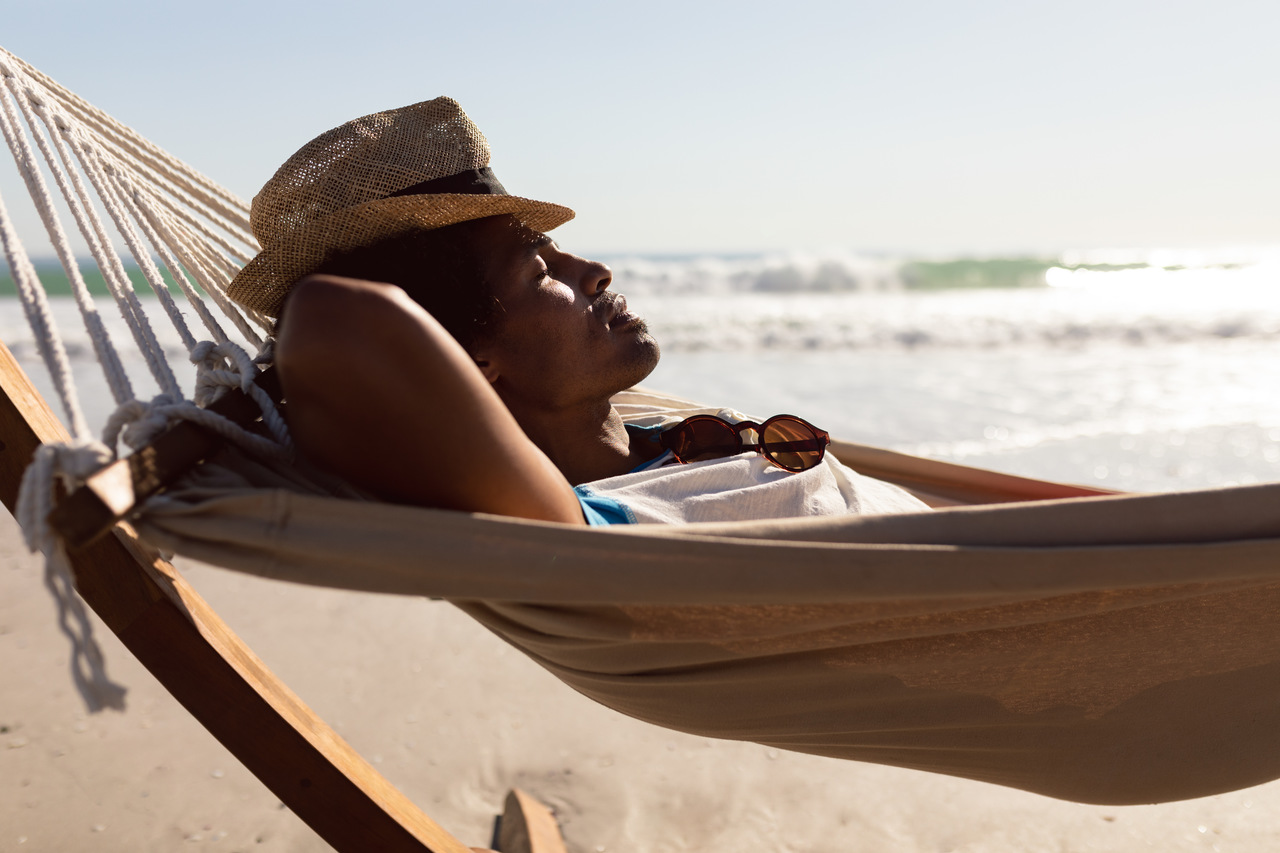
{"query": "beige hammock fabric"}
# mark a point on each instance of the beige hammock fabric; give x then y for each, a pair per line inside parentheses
(1115, 649)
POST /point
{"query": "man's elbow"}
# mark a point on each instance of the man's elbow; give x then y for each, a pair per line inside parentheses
(325, 315)
(315, 334)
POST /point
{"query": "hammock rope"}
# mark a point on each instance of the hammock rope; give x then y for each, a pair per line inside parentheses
(177, 218)
(132, 145)
(34, 302)
(78, 203)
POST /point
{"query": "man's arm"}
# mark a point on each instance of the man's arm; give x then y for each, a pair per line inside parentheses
(380, 394)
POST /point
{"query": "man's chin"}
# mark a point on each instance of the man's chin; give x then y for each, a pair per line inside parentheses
(649, 357)
(642, 354)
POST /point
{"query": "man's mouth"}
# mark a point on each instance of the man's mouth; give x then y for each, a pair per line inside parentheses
(619, 316)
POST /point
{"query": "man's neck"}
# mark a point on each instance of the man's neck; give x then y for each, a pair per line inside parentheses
(586, 444)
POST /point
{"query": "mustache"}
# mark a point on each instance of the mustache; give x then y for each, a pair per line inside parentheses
(607, 302)
(609, 305)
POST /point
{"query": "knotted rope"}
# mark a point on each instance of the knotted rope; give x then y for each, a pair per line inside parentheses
(219, 367)
(67, 464)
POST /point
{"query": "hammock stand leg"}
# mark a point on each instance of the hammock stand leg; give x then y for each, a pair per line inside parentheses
(209, 670)
(527, 826)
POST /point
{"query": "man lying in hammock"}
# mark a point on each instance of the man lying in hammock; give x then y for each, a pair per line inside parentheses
(437, 348)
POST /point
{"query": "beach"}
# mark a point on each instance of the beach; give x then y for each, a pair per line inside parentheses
(1124, 383)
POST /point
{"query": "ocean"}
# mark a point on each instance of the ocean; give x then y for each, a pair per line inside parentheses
(1141, 370)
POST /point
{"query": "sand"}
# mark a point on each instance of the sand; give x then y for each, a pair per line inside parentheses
(454, 717)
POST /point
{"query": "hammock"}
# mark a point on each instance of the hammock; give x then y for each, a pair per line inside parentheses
(1089, 646)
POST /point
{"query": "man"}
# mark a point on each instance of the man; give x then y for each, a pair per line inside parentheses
(437, 348)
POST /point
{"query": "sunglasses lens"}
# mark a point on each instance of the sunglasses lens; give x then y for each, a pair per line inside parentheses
(700, 439)
(791, 444)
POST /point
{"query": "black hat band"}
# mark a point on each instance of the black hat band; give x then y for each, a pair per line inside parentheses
(470, 182)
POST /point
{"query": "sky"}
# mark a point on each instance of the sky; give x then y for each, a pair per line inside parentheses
(681, 127)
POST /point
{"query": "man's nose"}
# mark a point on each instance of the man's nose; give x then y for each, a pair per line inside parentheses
(596, 277)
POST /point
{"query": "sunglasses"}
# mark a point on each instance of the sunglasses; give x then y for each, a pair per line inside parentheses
(791, 443)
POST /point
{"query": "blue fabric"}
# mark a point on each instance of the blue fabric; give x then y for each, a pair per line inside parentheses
(600, 511)
(650, 434)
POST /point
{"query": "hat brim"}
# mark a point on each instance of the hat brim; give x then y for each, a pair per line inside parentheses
(266, 280)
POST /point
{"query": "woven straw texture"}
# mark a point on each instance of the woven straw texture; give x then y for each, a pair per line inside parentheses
(332, 194)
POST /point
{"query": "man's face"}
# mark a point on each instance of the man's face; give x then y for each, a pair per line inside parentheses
(560, 338)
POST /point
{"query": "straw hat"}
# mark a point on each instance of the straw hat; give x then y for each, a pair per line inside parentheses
(422, 166)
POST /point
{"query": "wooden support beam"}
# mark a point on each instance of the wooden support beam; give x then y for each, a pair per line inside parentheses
(528, 826)
(949, 484)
